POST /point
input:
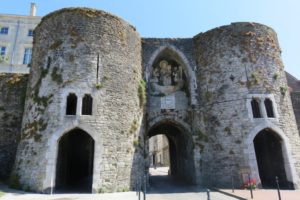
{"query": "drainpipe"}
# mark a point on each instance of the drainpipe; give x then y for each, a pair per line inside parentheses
(14, 47)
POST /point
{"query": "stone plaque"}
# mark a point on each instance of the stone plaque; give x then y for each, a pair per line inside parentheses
(167, 102)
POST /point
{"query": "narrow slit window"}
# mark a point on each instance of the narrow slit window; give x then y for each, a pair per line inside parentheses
(71, 104)
(269, 108)
(255, 109)
(87, 105)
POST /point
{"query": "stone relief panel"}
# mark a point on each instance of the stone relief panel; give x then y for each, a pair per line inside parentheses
(166, 78)
(167, 86)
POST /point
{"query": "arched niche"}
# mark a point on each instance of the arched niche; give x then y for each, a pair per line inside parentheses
(169, 72)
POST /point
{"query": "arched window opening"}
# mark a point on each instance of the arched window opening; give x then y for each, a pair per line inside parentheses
(71, 104)
(269, 108)
(255, 109)
(87, 105)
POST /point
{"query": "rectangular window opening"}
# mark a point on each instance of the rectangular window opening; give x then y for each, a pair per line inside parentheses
(30, 32)
(2, 51)
(27, 56)
(4, 31)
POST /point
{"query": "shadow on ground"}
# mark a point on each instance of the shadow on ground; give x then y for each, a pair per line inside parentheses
(167, 184)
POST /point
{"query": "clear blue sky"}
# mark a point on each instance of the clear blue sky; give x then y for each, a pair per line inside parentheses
(186, 18)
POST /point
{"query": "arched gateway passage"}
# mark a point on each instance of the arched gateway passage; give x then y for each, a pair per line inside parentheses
(270, 160)
(181, 160)
(74, 170)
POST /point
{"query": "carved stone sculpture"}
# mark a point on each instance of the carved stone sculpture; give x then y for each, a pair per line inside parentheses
(166, 79)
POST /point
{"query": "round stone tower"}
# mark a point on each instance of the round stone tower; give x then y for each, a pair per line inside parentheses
(244, 104)
(84, 104)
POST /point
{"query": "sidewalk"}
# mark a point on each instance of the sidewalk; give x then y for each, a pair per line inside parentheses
(261, 194)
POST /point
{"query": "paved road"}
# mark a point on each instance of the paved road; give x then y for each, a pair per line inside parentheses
(162, 187)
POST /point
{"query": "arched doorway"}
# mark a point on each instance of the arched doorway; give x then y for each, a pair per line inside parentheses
(181, 159)
(270, 160)
(74, 169)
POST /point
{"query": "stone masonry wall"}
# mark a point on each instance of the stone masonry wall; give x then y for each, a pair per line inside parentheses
(295, 97)
(235, 63)
(83, 51)
(13, 90)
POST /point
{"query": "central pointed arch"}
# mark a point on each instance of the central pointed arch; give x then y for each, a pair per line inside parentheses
(180, 149)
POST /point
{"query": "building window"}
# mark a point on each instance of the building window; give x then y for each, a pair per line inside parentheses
(27, 56)
(255, 109)
(71, 104)
(269, 107)
(2, 51)
(87, 105)
(30, 32)
(4, 31)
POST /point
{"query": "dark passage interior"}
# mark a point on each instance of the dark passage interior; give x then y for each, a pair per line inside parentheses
(74, 170)
(268, 150)
(181, 161)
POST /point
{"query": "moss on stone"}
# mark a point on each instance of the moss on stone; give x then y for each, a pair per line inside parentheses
(37, 137)
(283, 90)
(123, 189)
(14, 181)
(227, 130)
(102, 190)
(142, 93)
(134, 126)
(43, 101)
(208, 96)
(31, 129)
(71, 58)
(56, 44)
(98, 86)
(56, 75)
(136, 143)
(201, 136)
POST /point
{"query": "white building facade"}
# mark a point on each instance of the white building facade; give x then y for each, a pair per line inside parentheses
(16, 34)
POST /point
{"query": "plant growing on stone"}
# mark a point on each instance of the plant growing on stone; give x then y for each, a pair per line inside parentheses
(136, 143)
(283, 90)
(102, 190)
(98, 86)
(275, 76)
(142, 92)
